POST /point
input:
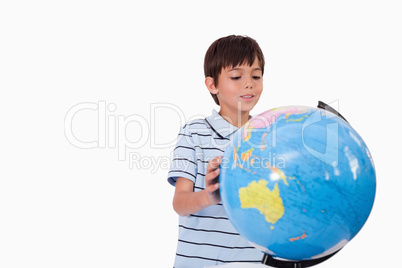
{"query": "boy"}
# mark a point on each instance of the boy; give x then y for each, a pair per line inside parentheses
(234, 68)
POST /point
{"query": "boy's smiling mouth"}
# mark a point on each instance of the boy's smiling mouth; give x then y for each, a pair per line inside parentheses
(247, 97)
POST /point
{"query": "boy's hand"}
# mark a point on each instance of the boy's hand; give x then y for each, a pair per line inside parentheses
(187, 202)
(212, 182)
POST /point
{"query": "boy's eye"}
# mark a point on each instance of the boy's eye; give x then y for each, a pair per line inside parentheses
(256, 77)
(235, 78)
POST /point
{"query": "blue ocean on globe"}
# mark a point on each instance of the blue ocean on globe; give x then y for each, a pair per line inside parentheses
(298, 182)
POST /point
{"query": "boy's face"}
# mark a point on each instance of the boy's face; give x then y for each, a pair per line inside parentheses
(239, 88)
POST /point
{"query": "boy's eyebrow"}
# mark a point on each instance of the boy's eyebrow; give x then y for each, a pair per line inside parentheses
(238, 68)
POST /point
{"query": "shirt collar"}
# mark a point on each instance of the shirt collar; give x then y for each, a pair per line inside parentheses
(220, 125)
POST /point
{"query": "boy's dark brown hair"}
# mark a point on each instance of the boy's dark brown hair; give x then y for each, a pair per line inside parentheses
(231, 51)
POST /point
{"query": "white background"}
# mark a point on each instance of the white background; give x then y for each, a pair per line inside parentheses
(65, 206)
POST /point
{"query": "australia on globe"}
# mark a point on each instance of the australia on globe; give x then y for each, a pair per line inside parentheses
(297, 182)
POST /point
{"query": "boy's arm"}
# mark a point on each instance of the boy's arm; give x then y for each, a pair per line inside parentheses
(186, 201)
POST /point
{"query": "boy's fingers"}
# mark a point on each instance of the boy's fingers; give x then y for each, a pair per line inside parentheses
(212, 177)
(213, 187)
(214, 163)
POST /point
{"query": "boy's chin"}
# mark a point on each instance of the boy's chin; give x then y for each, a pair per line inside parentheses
(247, 107)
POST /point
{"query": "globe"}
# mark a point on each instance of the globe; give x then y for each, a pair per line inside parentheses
(297, 182)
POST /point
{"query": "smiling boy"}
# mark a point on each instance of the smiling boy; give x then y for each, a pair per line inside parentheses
(234, 68)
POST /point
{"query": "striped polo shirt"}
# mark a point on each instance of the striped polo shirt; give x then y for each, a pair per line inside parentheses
(206, 238)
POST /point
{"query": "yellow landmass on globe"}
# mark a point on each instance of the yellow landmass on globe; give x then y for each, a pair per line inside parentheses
(247, 132)
(247, 154)
(297, 119)
(258, 195)
(244, 157)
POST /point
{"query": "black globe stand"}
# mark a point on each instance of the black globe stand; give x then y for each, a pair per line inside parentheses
(323, 105)
(271, 261)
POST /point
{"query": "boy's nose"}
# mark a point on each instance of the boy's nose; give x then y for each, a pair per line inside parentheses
(249, 84)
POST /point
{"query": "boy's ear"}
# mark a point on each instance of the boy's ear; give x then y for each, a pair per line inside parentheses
(209, 82)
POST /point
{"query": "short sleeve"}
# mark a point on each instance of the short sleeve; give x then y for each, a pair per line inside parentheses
(184, 161)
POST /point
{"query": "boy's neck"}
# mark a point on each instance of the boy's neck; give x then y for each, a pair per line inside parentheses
(237, 119)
